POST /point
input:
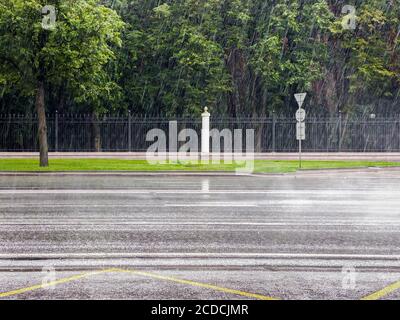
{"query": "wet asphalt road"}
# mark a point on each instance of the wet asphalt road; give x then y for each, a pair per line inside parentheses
(303, 236)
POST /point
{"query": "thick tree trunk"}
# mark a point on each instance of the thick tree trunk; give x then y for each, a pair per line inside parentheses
(42, 125)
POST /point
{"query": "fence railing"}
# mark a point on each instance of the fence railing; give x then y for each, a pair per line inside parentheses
(73, 133)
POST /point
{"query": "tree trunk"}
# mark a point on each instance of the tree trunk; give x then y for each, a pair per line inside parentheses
(96, 133)
(236, 63)
(42, 126)
(260, 134)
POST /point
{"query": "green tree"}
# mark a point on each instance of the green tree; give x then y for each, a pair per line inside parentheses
(289, 55)
(235, 56)
(363, 66)
(73, 54)
(171, 62)
(373, 64)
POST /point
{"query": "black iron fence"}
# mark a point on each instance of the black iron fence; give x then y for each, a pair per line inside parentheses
(71, 133)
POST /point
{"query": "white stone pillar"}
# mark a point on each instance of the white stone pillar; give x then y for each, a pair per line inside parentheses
(205, 132)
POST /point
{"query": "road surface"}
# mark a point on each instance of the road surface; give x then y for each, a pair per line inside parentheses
(297, 236)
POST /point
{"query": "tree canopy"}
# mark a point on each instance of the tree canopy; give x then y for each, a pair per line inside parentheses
(174, 57)
(42, 62)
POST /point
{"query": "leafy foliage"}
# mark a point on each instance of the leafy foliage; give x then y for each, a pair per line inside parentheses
(177, 56)
(71, 57)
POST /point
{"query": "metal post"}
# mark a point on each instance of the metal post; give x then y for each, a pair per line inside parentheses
(273, 132)
(56, 132)
(129, 131)
(300, 117)
(340, 132)
(300, 153)
(300, 124)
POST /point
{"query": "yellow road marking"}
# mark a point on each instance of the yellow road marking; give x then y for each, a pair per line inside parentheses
(53, 283)
(199, 284)
(383, 292)
(141, 273)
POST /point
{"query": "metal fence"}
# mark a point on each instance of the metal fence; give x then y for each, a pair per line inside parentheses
(70, 133)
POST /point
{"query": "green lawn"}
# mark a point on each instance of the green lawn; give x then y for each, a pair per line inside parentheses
(142, 165)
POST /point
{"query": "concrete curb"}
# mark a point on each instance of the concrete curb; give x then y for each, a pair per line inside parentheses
(201, 173)
(118, 173)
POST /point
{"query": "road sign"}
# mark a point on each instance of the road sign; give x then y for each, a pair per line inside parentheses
(300, 97)
(300, 115)
(301, 131)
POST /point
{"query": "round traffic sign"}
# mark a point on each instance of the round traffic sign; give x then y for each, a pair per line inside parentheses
(300, 115)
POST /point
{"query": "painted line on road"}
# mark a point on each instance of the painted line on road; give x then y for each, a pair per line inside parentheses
(170, 205)
(393, 226)
(216, 204)
(54, 283)
(381, 203)
(374, 296)
(139, 273)
(383, 292)
(199, 284)
(222, 255)
(160, 220)
(183, 191)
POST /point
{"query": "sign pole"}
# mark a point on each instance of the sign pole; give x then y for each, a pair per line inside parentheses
(300, 117)
(300, 153)
(300, 143)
